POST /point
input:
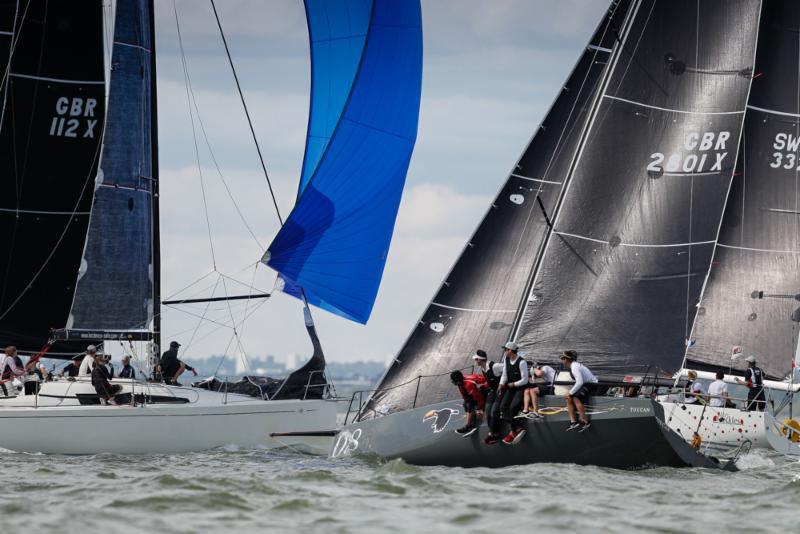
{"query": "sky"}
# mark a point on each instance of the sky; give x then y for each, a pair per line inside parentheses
(490, 71)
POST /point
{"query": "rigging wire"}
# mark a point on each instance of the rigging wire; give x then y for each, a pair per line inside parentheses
(247, 114)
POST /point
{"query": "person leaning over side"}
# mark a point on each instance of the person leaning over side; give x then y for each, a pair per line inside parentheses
(754, 380)
(474, 400)
(579, 395)
(491, 372)
(171, 366)
(512, 384)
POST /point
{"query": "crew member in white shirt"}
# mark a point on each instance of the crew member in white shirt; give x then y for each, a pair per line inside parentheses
(718, 391)
(87, 365)
(579, 395)
(541, 383)
(693, 390)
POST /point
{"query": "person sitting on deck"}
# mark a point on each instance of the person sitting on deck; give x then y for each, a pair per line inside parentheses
(718, 392)
(73, 368)
(512, 383)
(470, 387)
(542, 380)
(491, 373)
(88, 361)
(100, 380)
(127, 370)
(754, 380)
(12, 368)
(171, 367)
(693, 390)
(579, 395)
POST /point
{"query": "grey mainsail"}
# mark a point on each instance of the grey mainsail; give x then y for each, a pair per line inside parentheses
(632, 242)
(751, 296)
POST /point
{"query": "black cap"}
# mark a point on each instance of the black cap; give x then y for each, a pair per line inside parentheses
(174, 344)
(569, 355)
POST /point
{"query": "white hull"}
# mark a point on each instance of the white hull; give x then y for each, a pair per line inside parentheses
(721, 429)
(54, 422)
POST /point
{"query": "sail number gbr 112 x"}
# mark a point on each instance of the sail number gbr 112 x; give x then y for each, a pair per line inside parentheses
(74, 117)
(704, 152)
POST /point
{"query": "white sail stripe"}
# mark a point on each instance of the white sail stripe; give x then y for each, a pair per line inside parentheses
(636, 245)
(774, 112)
(693, 174)
(535, 179)
(673, 110)
(126, 187)
(38, 212)
(6, 33)
(131, 45)
(471, 309)
(599, 48)
(57, 80)
(770, 251)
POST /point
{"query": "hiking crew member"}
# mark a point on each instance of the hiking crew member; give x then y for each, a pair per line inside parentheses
(491, 372)
(754, 380)
(579, 395)
(693, 390)
(512, 384)
(127, 370)
(543, 378)
(718, 392)
(100, 378)
(88, 361)
(474, 402)
(11, 367)
(171, 367)
(73, 369)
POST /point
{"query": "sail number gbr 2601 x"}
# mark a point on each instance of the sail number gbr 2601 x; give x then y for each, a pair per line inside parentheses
(704, 152)
(74, 117)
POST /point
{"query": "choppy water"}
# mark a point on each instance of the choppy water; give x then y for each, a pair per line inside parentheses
(257, 490)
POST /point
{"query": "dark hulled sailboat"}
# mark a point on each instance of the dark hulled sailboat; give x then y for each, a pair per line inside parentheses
(599, 241)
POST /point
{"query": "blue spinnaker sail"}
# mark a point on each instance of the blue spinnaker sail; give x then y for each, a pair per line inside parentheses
(337, 31)
(335, 242)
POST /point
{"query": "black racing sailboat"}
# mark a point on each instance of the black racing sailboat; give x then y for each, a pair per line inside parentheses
(598, 242)
(51, 128)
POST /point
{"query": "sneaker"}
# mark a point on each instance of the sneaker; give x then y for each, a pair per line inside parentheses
(573, 426)
(522, 415)
(584, 426)
(535, 415)
(514, 437)
(465, 431)
(491, 439)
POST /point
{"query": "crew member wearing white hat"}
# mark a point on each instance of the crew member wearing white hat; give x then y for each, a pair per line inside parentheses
(754, 380)
(492, 379)
(87, 365)
(512, 384)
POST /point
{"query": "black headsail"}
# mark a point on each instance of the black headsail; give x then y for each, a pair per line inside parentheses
(633, 240)
(52, 120)
(478, 301)
(114, 294)
(752, 297)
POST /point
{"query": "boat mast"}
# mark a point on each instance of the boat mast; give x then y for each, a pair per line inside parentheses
(155, 229)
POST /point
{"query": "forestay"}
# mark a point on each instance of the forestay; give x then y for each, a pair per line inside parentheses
(115, 285)
(476, 305)
(632, 242)
(750, 299)
(52, 121)
(335, 242)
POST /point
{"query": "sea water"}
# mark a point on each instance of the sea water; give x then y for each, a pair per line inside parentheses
(232, 490)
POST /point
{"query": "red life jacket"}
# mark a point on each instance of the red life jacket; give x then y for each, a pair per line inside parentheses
(479, 381)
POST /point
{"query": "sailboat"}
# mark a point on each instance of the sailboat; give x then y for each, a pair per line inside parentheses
(93, 217)
(599, 242)
(750, 302)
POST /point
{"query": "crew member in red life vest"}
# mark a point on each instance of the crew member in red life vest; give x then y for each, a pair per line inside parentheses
(512, 384)
(578, 396)
(470, 387)
(754, 380)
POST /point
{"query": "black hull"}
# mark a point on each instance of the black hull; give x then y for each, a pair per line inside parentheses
(625, 434)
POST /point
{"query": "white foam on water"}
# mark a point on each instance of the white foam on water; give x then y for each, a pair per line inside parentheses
(755, 459)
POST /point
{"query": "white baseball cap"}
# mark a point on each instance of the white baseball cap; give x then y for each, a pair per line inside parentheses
(511, 346)
(750, 359)
(91, 348)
